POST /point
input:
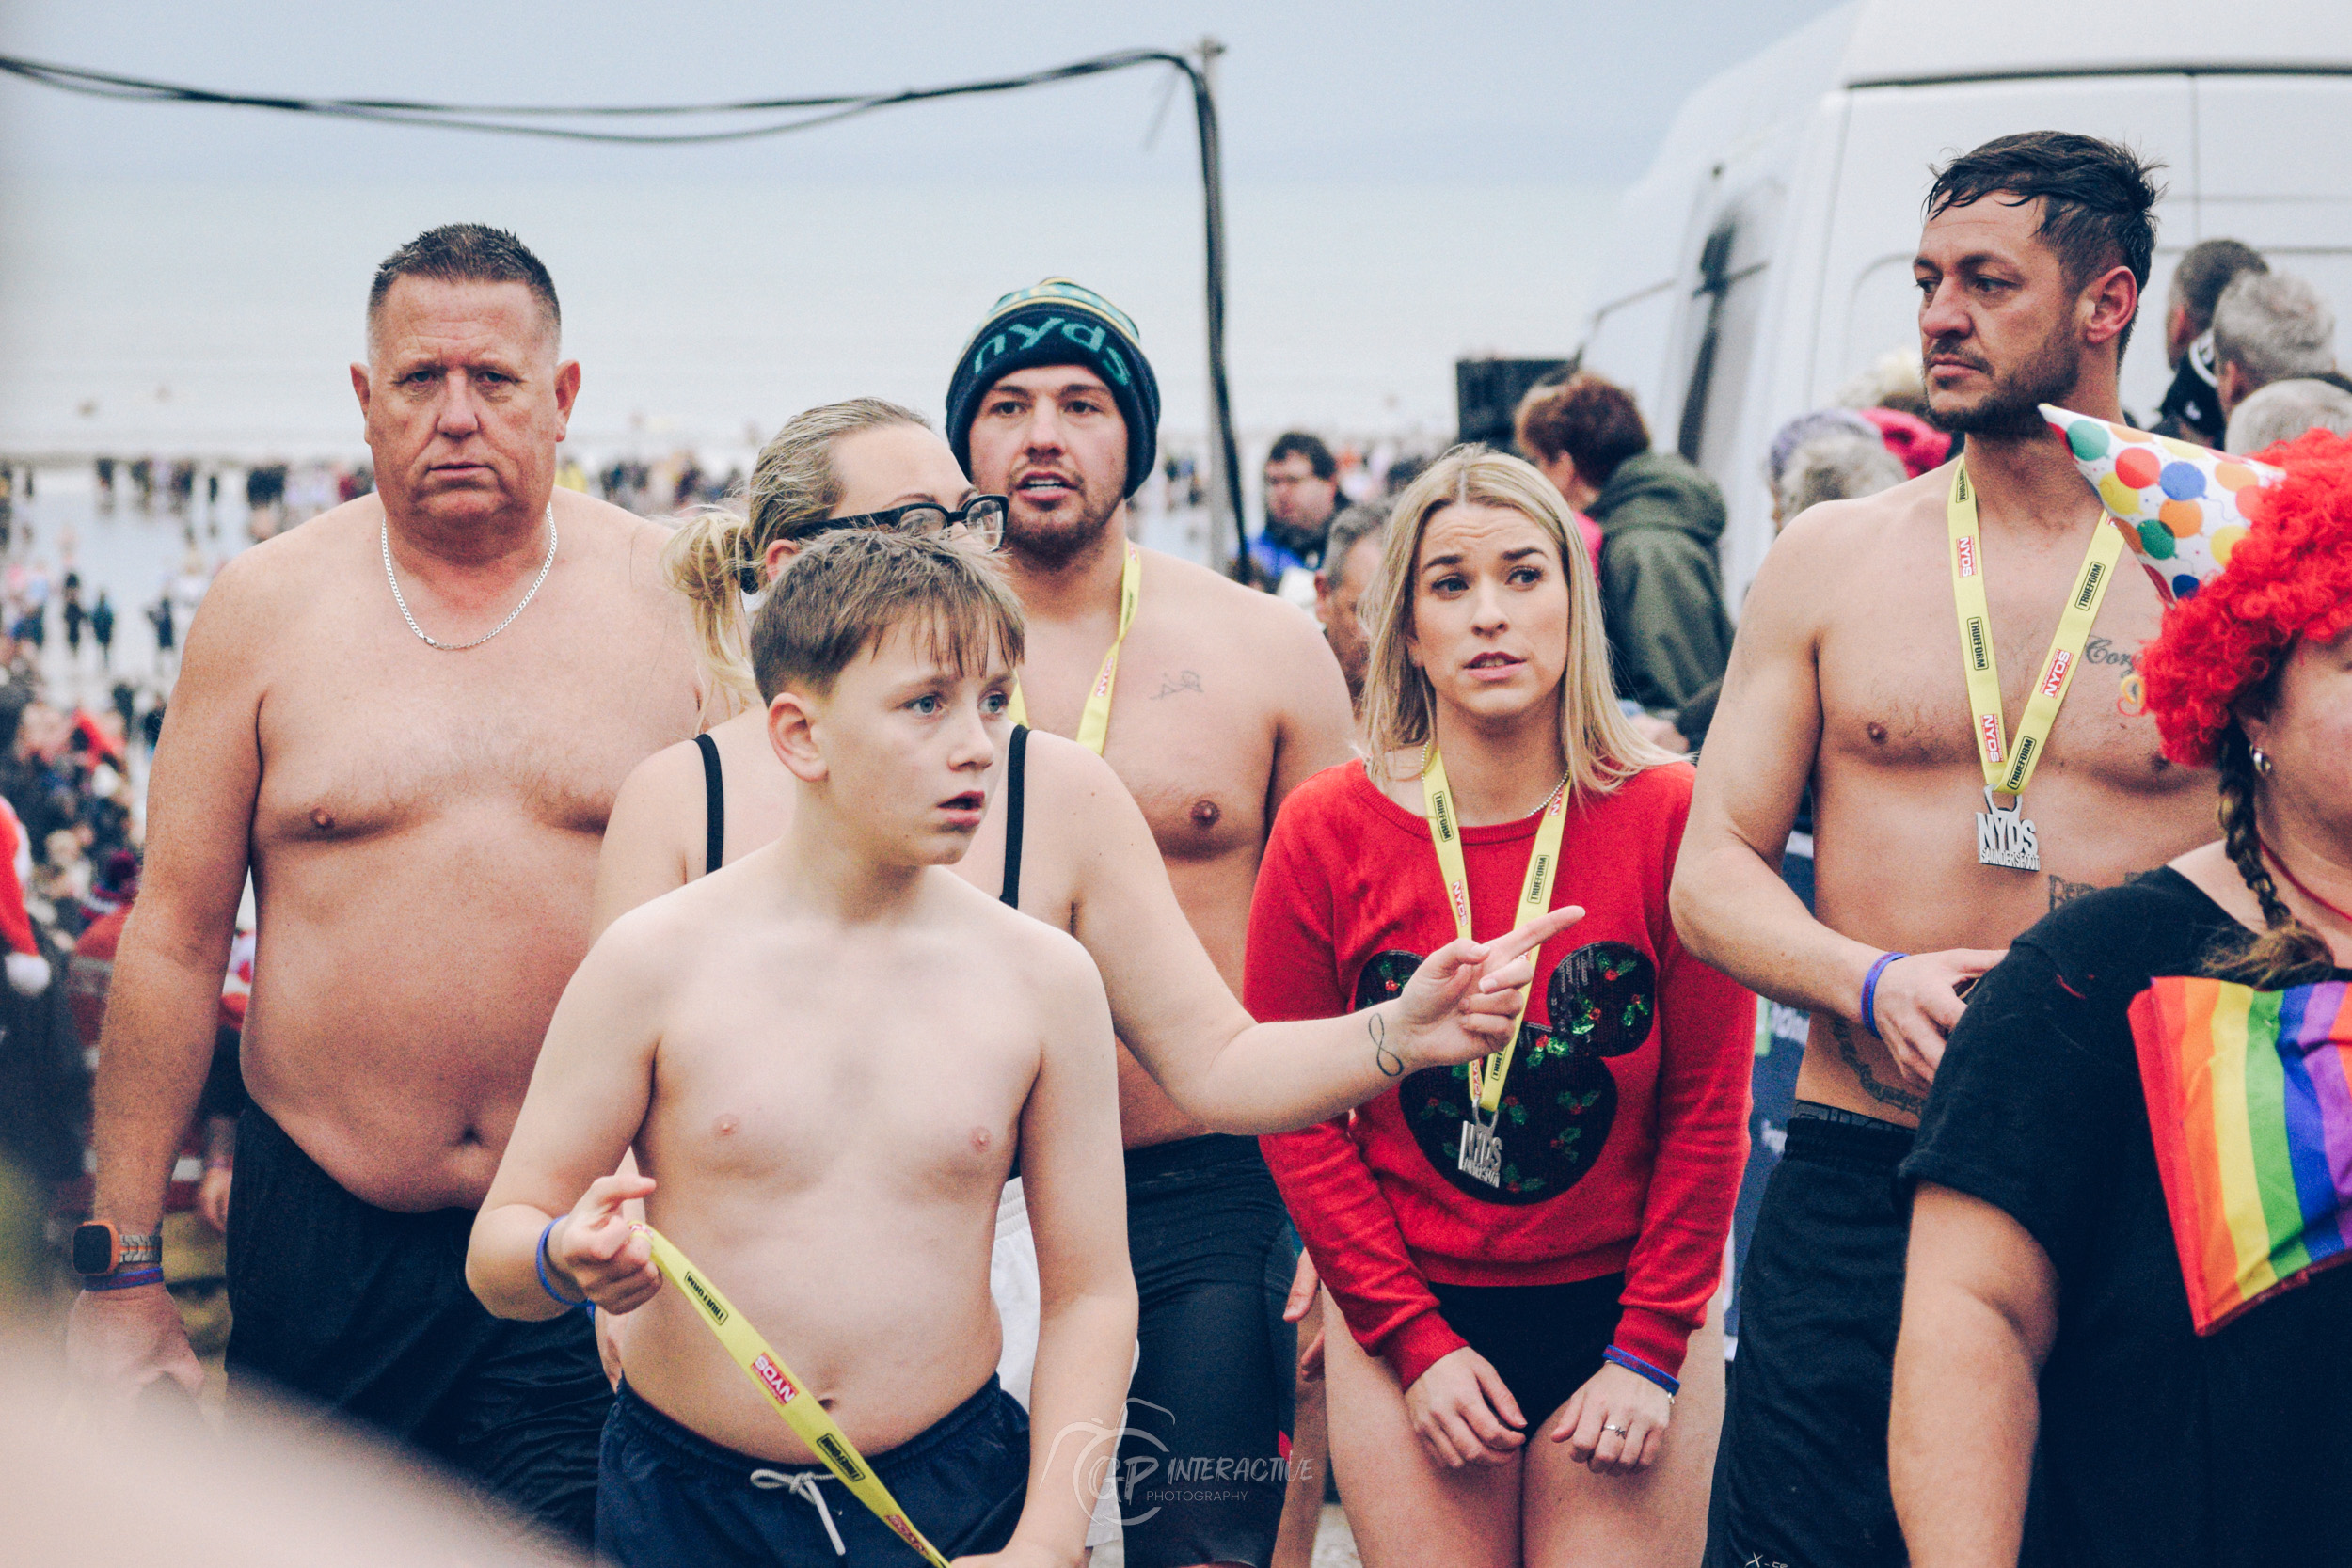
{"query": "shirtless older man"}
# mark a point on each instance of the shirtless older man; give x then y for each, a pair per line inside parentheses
(407, 718)
(1847, 673)
(1211, 703)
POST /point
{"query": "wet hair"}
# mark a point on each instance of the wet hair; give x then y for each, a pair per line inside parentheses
(466, 253)
(1595, 421)
(1601, 746)
(850, 590)
(718, 556)
(2208, 268)
(2098, 199)
(1297, 443)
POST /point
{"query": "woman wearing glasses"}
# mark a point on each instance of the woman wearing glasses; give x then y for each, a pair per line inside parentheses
(1522, 1249)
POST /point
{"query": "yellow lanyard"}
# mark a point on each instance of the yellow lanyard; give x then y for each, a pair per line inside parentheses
(793, 1402)
(2008, 769)
(1094, 724)
(1534, 898)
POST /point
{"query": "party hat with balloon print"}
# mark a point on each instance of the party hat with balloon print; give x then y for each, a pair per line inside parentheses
(2183, 507)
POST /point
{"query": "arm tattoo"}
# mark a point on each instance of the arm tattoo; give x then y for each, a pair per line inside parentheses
(1885, 1094)
(1389, 1062)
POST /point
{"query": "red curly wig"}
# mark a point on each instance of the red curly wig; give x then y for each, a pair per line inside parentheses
(2291, 576)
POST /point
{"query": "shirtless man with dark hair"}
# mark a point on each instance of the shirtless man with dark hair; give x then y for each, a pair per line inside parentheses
(1219, 701)
(1847, 674)
(407, 720)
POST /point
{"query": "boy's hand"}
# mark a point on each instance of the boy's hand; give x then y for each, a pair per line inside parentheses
(597, 1251)
(1459, 1003)
(1617, 1423)
(1462, 1412)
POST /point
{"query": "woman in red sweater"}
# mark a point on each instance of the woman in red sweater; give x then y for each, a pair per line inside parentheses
(1522, 1266)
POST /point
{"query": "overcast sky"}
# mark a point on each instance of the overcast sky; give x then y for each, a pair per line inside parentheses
(1576, 93)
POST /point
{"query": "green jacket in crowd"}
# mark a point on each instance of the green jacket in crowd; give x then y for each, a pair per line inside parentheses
(1661, 589)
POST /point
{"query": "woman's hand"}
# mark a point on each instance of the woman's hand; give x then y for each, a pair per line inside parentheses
(1462, 1412)
(1617, 1423)
(1460, 1003)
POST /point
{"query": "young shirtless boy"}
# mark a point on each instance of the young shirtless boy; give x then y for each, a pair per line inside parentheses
(825, 1056)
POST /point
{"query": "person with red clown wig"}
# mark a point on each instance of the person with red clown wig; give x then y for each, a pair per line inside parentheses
(2124, 1340)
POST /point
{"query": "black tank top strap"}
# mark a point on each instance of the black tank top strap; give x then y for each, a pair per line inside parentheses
(714, 806)
(1016, 767)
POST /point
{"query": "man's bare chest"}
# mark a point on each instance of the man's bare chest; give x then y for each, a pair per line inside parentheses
(1894, 687)
(1191, 737)
(344, 756)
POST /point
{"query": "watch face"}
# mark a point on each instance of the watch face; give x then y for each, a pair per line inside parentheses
(93, 1248)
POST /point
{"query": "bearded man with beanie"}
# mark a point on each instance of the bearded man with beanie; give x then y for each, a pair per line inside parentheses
(1212, 703)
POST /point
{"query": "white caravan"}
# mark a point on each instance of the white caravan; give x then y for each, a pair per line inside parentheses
(1765, 259)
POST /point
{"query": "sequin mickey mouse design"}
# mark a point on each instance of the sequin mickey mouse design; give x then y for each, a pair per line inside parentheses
(1561, 1100)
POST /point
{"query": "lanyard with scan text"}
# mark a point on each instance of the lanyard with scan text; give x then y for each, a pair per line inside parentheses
(800, 1409)
(1480, 1154)
(2006, 837)
(1094, 724)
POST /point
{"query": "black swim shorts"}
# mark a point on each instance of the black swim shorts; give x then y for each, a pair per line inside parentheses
(1204, 1461)
(365, 1311)
(667, 1496)
(1544, 1341)
(1800, 1469)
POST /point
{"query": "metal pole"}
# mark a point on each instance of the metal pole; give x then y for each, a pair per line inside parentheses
(1226, 539)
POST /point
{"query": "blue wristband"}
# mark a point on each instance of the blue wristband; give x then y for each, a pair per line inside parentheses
(126, 1280)
(547, 1285)
(1634, 1364)
(1870, 992)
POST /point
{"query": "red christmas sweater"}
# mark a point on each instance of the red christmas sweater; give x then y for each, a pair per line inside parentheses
(1624, 1120)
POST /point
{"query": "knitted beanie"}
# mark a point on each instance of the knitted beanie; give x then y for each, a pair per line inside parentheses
(1060, 323)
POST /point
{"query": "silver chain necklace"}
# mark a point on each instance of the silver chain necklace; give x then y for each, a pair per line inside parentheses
(384, 538)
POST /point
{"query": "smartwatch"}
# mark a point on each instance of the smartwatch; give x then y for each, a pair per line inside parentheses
(100, 1249)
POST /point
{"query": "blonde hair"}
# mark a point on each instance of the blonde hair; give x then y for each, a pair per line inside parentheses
(716, 557)
(849, 591)
(1601, 746)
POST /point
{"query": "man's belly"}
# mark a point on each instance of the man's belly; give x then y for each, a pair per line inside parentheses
(1895, 867)
(397, 1011)
(886, 1320)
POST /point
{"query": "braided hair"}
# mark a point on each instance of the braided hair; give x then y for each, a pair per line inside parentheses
(2289, 950)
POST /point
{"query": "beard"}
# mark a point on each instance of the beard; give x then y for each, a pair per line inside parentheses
(1052, 541)
(2011, 410)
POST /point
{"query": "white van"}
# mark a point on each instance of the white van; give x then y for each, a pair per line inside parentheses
(1765, 256)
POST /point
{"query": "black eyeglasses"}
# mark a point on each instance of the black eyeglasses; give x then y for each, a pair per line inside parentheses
(981, 519)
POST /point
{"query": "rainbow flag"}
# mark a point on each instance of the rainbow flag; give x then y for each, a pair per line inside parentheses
(2249, 1100)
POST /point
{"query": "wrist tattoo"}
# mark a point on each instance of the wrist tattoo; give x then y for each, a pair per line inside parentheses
(1389, 1062)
